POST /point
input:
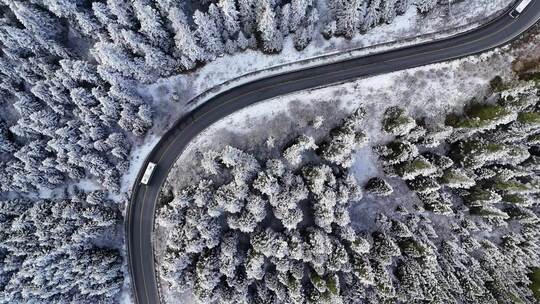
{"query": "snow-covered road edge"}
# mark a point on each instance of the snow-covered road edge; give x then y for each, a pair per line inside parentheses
(203, 94)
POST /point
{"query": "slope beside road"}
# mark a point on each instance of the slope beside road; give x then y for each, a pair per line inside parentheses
(141, 209)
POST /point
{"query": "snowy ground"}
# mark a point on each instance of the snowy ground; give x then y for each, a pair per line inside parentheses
(228, 71)
(430, 91)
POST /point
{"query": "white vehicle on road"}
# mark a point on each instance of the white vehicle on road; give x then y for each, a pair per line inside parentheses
(519, 8)
(148, 173)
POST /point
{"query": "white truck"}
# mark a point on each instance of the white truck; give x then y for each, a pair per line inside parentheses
(519, 8)
(148, 173)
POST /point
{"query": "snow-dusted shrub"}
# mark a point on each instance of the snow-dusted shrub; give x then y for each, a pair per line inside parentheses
(293, 154)
(418, 166)
(396, 152)
(397, 122)
(378, 186)
(435, 135)
(344, 140)
(455, 178)
(317, 122)
(479, 118)
(442, 162)
(437, 202)
(476, 152)
(424, 185)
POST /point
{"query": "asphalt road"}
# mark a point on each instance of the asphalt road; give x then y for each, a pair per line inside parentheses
(140, 213)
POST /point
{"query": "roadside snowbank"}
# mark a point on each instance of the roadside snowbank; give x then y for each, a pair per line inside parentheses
(230, 71)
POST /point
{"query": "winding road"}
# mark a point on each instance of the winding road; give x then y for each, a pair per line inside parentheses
(140, 212)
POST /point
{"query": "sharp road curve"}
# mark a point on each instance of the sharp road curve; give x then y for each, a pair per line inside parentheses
(140, 212)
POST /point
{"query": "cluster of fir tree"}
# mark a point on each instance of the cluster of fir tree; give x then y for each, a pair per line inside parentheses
(486, 159)
(480, 170)
(65, 116)
(349, 17)
(262, 230)
(49, 251)
(282, 232)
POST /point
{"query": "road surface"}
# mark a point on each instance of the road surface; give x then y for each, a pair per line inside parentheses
(140, 212)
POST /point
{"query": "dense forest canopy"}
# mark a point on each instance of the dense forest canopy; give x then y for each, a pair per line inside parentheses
(71, 111)
(55, 250)
(257, 229)
(281, 229)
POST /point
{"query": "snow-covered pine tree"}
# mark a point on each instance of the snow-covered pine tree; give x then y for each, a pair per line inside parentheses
(388, 10)
(372, 16)
(230, 16)
(186, 46)
(208, 33)
(424, 6)
(267, 27)
(349, 16)
(402, 6)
